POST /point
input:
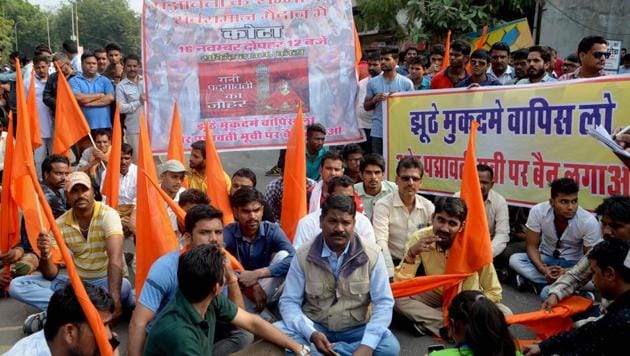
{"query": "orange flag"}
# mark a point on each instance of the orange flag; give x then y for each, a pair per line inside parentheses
(111, 184)
(358, 53)
(217, 189)
(479, 44)
(447, 51)
(94, 319)
(9, 218)
(425, 283)
(31, 102)
(546, 324)
(154, 233)
(294, 178)
(21, 183)
(70, 124)
(471, 249)
(176, 141)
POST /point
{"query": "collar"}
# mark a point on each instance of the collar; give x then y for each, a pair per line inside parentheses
(70, 217)
(355, 256)
(398, 202)
(508, 71)
(317, 155)
(327, 252)
(239, 234)
(621, 302)
(126, 80)
(80, 75)
(187, 308)
(551, 213)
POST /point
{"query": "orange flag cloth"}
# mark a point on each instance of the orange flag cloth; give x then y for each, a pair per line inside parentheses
(479, 44)
(471, 249)
(21, 184)
(546, 324)
(111, 184)
(358, 53)
(425, 283)
(447, 51)
(176, 141)
(181, 214)
(94, 319)
(70, 124)
(294, 178)
(154, 233)
(9, 218)
(215, 179)
(31, 103)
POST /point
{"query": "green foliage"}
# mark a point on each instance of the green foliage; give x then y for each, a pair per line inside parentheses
(420, 20)
(100, 22)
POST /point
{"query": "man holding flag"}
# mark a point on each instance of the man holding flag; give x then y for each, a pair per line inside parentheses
(429, 247)
(93, 233)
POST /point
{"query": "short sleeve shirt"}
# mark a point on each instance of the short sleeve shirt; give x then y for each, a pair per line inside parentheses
(180, 330)
(378, 85)
(583, 230)
(98, 117)
(90, 255)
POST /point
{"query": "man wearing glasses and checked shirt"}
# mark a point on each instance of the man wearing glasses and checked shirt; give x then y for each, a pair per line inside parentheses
(558, 234)
(593, 52)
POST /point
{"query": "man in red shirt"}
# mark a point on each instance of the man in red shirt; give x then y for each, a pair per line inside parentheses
(456, 71)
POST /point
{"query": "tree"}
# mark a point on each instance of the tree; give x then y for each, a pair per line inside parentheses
(28, 22)
(420, 20)
(100, 22)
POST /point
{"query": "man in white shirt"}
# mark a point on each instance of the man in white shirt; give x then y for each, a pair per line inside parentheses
(127, 189)
(40, 67)
(172, 173)
(558, 234)
(309, 226)
(364, 117)
(372, 186)
(500, 59)
(331, 166)
(401, 213)
(130, 96)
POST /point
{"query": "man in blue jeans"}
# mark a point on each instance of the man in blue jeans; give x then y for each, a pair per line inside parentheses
(558, 234)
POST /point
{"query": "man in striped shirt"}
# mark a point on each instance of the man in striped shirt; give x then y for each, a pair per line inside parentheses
(93, 233)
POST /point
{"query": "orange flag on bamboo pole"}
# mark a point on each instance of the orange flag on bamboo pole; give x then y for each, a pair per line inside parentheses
(21, 184)
(154, 233)
(31, 102)
(94, 319)
(217, 189)
(111, 183)
(358, 53)
(294, 178)
(447, 51)
(479, 44)
(9, 218)
(176, 141)
(70, 124)
(471, 249)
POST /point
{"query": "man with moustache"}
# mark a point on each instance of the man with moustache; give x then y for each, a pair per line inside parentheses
(337, 296)
(592, 52)
(50, 91)
(499, 58)
(93, 233)
(262, 248)
(539, 62)
(428, 248)
(379, 88)
(130, 96)
(101, 60)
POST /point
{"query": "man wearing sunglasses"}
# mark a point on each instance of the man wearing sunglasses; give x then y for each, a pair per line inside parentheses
(593, 52)
(479, 64)
(558, 234)
(401, 212)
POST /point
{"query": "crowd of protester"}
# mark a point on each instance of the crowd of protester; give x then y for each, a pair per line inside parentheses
(327, 291)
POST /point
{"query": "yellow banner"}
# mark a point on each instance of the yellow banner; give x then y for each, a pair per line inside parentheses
(515, 34)
(529, 135)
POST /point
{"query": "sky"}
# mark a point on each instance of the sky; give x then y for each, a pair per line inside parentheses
(135, 5)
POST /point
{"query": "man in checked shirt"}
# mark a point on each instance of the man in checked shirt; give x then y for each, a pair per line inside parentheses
(614, 213)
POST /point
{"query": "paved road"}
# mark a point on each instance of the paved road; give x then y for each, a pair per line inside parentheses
(12, 313)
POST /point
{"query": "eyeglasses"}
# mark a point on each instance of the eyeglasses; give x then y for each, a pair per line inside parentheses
(408, 178)
(599, 55)
(556, 252)
(478, 63)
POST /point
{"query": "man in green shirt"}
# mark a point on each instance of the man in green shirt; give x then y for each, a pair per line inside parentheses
(186, 325)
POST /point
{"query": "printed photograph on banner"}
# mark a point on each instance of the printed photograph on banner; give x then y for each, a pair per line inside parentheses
(528, 135)
(244, 66)
(253, 87)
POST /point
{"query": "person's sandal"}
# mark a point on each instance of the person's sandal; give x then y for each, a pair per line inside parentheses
(34, 323)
